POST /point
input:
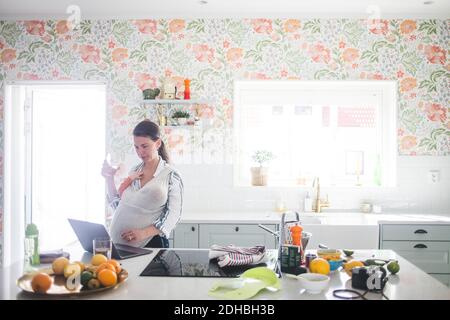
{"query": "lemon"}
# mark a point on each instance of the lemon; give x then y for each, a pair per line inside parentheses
(98, 259)
(319, 265)
(71, 269)
(81, 264)
(59, 264)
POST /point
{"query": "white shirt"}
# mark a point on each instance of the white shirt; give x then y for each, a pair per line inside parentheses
(159, 202)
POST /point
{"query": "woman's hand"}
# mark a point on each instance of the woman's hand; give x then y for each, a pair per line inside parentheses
(136, 175)
(107, 170)
(137, 235)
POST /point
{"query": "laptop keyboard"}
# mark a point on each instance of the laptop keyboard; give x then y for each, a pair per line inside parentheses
(123, 253)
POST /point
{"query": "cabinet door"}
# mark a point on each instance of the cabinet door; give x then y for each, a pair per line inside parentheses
(416, 232)
(430, 256)
(243, 235)
(444, 278)
(186, 236)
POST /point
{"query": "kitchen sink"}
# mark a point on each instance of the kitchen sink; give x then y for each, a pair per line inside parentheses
(310, 220)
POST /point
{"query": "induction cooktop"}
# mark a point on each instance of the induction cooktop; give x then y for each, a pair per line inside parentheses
(196, 263)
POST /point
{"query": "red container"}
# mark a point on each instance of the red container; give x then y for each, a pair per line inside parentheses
(187, 89)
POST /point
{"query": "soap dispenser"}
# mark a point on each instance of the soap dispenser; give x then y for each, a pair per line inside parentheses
(307, 204)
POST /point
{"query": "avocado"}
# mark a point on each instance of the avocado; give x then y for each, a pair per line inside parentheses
(348, 253)
(375, 262)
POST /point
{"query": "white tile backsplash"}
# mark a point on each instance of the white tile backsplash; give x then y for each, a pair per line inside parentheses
(209, 188)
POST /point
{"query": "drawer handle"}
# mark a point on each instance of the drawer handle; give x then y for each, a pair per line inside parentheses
(236, 229)
(193, 228)
(421, 231)
(420, 246)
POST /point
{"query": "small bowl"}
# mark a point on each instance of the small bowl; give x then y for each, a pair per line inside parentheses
(335, 264)
(314, 283)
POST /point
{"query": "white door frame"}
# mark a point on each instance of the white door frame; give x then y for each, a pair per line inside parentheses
(14, 167)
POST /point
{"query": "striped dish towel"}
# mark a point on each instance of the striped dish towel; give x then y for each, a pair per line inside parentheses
(228, 256)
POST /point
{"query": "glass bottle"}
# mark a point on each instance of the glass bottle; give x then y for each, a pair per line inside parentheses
(32, 244)
(377, 172)
(187, 89)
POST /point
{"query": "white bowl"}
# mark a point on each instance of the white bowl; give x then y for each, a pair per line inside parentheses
(314, 283)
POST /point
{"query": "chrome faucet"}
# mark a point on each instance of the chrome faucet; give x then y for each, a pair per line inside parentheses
(319, 203)
(281, 234)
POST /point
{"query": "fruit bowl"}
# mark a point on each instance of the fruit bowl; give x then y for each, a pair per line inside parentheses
(329, 254)
(59, 285)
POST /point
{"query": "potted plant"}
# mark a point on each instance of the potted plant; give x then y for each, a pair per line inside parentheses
(150, 94)
(259, 174)
(181, 117)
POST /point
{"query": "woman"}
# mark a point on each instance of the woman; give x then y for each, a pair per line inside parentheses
(150, 201)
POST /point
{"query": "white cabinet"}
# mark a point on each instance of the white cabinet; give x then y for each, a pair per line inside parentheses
(245, 235)
(430, 256)
(343, 236)
(426, 246)
(186, 236)
(417, 232)
(444, 278)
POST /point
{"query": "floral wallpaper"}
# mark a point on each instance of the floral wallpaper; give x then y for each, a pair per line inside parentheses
(132, 55)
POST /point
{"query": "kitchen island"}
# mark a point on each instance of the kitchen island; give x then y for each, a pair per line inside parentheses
(410, 283)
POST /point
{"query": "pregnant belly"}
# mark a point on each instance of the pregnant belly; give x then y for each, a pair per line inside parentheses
(127, 219)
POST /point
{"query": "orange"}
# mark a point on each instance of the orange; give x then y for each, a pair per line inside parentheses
(116, 265)
(107, 277)
(319, 265)
(41, 282)
(106, 265)
(98, 259)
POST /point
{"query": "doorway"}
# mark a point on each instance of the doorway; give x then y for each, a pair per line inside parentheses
(56, 161)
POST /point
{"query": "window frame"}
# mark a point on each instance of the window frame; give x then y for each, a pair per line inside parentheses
(386, 89)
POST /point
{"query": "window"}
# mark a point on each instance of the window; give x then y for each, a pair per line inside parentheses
(341, 131)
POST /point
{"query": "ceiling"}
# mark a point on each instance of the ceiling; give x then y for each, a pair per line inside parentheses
(138, 9)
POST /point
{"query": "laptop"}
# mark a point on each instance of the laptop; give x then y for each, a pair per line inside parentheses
(88, 231)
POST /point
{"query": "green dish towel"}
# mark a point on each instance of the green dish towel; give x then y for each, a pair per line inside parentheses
(248, 285)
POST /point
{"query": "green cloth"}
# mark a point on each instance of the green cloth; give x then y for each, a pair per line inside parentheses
(248, 285)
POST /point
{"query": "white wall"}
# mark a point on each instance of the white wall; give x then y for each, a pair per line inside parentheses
(209, 188)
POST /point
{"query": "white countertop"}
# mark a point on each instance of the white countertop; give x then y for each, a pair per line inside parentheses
(324, 218)
(410, 283)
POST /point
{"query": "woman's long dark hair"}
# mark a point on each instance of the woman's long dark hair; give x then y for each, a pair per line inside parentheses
(150, 130)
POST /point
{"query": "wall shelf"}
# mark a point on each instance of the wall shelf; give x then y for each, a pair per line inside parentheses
(165, 107)
(182, 127)
(175, 101)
